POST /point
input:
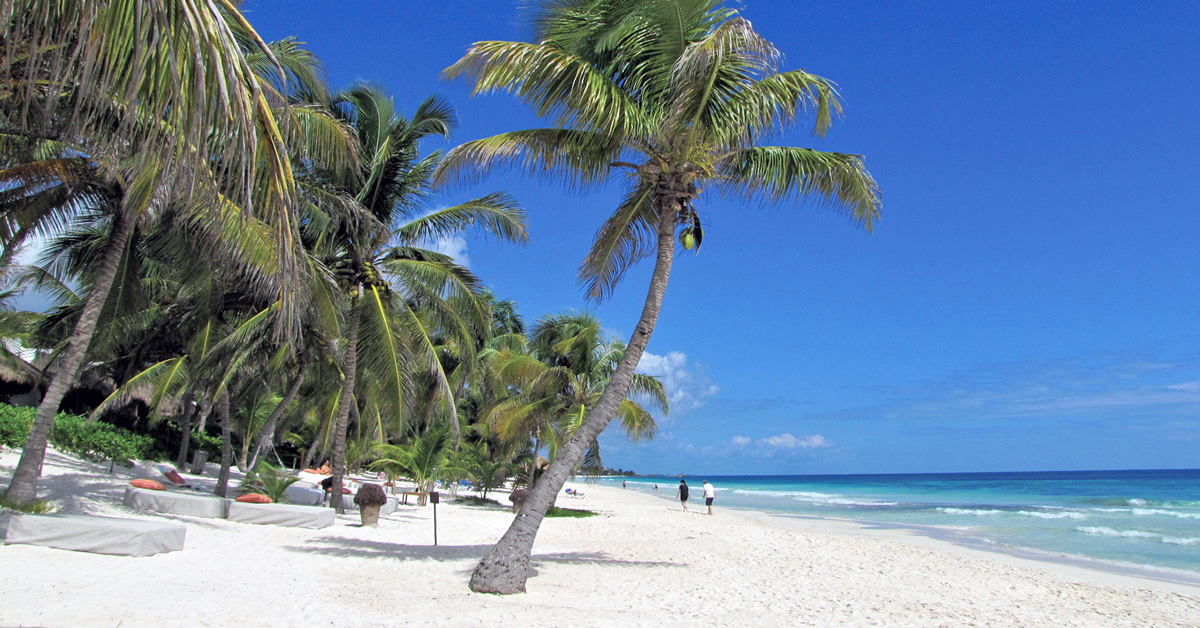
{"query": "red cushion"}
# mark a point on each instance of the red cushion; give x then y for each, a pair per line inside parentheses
(147, 484)
(175, 477)
(254, 498)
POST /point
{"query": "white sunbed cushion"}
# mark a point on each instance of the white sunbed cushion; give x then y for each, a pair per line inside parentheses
(304, 495)
(311, 478)
(98, 535)
(196, 505)
(311, 517)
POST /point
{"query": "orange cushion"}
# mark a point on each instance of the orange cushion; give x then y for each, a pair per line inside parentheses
(254, 498)
(147, 484)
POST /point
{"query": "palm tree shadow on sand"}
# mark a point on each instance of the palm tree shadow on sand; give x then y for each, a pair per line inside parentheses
(360, 548)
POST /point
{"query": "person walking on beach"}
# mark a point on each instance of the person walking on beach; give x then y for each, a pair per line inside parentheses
(683, 493)
(623, 484)
(710, 494)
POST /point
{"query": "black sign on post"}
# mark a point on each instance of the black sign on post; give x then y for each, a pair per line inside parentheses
(434, 498)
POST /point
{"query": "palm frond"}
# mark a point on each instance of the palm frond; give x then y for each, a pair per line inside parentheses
(498, 214)
(555, 84)
(625, 238)
(793, 174)
(583, 157)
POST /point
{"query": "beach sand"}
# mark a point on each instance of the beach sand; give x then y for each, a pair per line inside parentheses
(643, 562)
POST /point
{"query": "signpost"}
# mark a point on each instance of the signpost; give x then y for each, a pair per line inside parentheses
(434, 498)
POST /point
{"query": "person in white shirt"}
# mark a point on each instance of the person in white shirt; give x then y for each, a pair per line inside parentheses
(710, 494)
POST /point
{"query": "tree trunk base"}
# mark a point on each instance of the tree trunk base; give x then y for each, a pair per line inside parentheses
(504, 574)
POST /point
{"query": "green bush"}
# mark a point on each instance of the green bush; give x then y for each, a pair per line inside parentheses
(77, 435)
(35, 507)
(14, 425)
(572, 513)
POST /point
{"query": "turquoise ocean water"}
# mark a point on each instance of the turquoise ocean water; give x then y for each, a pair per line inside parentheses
(1147, 519)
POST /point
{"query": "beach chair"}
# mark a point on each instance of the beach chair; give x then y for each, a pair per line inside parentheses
(175, 480)
(574, 493)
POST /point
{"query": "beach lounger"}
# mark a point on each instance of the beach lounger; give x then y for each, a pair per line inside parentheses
(310, 517)
(574, 493)
(176, 503)
(174, 480)
(304, 495)
(98, 535)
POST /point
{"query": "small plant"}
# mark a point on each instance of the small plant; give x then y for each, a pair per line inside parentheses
(369, 499)
(370, 495)
(268, 481)
(35, 507)
(518, 497)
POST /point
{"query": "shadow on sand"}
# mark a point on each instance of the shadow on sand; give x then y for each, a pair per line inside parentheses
(360, 548)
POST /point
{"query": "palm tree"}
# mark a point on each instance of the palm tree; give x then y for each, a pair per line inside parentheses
(185, 118)
(560, 380)
(396, 289)
(422, 459)
(678, 94)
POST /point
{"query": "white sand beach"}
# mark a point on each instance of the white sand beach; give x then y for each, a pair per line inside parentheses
(643, 562)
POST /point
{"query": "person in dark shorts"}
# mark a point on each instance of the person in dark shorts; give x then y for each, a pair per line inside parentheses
(710, 493)
(683, 493)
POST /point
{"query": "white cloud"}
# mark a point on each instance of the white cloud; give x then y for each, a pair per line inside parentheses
(741, 441)
(785, 441)
(687, 388)
(454, 246)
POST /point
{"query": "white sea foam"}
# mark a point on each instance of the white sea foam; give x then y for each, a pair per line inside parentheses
(816, 498)
(1129, 534)
(1145, 512)
(1136, 502)
(1174, 540)
(970, 511)
(1053, 515)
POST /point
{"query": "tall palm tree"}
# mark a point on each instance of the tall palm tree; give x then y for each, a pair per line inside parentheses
(184, 118)
(396, 288)
(678, 95)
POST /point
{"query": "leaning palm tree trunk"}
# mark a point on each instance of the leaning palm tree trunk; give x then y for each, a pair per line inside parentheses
(268, 430)
(343, 414)
(226, 444)
(505, 568)
(23, 487)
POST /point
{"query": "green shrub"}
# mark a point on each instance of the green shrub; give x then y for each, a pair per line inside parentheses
(471, 500)
(35, 507)
(572, 513)
(77, 435)
(14, 424)
(270, 481)
(206, 442)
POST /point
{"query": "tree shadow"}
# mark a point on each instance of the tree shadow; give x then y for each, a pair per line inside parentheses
(364, 548)
(596, 558)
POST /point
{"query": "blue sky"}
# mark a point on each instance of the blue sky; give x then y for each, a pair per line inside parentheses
(1029, 301)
